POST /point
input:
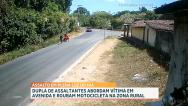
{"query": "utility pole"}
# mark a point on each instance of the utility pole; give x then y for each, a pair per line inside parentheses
(79, 15)
(104, 34)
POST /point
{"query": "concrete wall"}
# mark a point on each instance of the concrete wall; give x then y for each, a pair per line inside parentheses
(165, 47)
(163, 40)
(159, 39)
(138, 32)
(150, 36)
(178, 74)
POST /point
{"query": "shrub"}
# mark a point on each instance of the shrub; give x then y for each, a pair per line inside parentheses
(17, 29)
(25, 26)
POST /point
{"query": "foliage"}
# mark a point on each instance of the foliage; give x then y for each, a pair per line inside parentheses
(82, 11)
(150, 15)
(3, 8)
(27, 22)
(117, 23)
(51, 7)
(83, 16)
(64, 4)
(38, 5)
(130, 16)
(143, 9)
(17, 29)
(84, 20)
(118, 14)
(102, 14)
(100, 19)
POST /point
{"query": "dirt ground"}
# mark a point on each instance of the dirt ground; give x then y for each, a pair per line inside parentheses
(113, 60)
(91, 69)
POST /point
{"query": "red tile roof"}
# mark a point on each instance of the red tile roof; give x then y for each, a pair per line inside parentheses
(167, 25)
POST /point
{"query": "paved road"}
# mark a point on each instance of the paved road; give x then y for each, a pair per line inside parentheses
(43, 65)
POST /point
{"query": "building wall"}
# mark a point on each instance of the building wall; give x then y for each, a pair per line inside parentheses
(138, 33)
(164, 40)
(150, 36)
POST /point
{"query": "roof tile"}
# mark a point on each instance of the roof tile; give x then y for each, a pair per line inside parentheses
(161, 24)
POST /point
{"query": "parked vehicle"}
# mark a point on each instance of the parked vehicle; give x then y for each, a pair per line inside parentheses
(88, 29)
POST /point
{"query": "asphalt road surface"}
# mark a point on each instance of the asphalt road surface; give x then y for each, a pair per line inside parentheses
(43, 65)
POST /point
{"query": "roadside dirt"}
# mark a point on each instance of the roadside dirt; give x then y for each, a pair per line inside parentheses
(94, 66)
(112, 61)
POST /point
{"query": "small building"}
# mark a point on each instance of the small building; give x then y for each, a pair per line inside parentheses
(178, 73)
(159, 34)
(126, 29)
(138, 29)
(155, 33)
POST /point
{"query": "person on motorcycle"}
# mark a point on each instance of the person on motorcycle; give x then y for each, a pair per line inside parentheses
(61, 39)
(66, 37)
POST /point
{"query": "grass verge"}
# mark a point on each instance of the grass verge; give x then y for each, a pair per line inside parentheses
(6, 57)
(126, 60)
(129, 60)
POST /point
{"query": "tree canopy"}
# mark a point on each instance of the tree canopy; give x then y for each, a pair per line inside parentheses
(64, 4)
(102, 19)
(26, 22)
(38, 5)
(82, 11)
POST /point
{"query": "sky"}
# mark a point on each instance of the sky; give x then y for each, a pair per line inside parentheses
(113, 6)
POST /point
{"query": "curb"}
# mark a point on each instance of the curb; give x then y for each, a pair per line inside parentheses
(78, 61)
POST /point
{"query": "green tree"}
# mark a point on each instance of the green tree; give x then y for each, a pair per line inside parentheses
(150, 15)
(64, 4)
(101, 19)
(51, 7)
(39, 4)
(117, 23)
(82, 11)
(102, 14)
(128, 18)
(34, 4)
(3, 7)
(27, 22)
(22, 3)
(83, 16)
(118, 14)
(143, 9)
